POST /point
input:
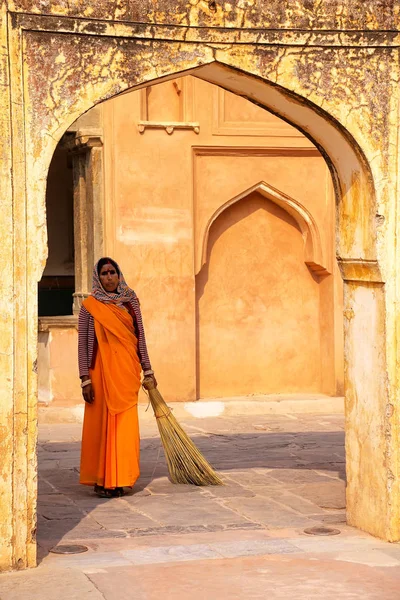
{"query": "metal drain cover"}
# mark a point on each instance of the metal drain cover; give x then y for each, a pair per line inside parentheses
(321, 531)
(69, 549)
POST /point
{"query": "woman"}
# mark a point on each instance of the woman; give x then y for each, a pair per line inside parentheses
(112, 352)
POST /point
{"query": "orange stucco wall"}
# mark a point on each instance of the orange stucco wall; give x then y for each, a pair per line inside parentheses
(254, 319)
(257, 306)
(230, 308)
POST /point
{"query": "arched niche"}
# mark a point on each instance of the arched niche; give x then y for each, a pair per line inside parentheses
(313, 253)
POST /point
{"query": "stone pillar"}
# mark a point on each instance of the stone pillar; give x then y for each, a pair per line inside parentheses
(371, 449)
(87, 160)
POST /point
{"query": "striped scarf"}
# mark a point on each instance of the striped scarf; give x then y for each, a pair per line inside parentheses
(124, 292)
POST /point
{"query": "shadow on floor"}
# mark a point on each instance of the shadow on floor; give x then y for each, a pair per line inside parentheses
(296, 465)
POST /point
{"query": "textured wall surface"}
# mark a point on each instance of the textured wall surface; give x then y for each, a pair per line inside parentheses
(296, 14)
(329, 68)
(213, 324)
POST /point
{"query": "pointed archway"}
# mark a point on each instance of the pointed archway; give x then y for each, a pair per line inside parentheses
(313, 254)
(87, 61)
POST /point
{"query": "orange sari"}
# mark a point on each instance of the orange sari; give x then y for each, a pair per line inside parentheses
(110, 436)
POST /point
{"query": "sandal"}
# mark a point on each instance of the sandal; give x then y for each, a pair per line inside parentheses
(118, 492)
(102, 492)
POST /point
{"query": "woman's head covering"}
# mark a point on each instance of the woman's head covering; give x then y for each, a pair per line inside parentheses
(123, 294)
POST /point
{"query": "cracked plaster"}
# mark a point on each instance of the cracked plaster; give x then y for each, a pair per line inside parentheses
(54, 69)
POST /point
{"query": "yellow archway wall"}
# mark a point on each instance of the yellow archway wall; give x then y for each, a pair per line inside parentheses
(323, 82)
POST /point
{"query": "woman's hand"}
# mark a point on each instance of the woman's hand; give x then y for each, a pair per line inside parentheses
(87, 391)
(149, 379)
(154, 379)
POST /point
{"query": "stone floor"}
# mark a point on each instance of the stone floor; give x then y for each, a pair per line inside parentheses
(282, 474)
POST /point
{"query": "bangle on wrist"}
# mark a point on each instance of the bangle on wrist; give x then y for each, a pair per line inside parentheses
(148, 372)
(85, 383)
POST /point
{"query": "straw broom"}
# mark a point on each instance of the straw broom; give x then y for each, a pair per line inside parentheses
(186, 464)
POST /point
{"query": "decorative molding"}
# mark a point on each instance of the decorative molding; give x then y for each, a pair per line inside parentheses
(223, 126)
(78, 297)
(358, 269)
(60, 322)
(313, 255)
(169, 127)
(185, 90)
(303, 151)
(86, 139)
(291, 38)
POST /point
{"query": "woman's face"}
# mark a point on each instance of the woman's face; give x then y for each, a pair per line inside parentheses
(109, 277)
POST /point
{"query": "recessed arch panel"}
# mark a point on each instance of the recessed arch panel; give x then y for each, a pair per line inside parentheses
(313, 254)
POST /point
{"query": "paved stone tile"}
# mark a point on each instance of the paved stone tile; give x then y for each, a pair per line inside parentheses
(87, 501)
(170, 554)
(164, 486)
(56, 511)
(254, 547)
(51, 532)
(335, 544)
(188, 509)
(66, 479)
(62, 432)
(89, 559)
(81, 534)
(116, 516)
(278, 477)
(188, 529)
(54, 499)
(250, 478)
(152, 471)
(271, 514)
(372, 558)
(293, 476)
(260, 465)
(336, 518)
(69, 462)
(296, 503)
(392, 550)
(332, 469)
(44, 487)
(255, 578)
(48, 465)
(229, 490)
(48, 583)
(60, 447)
(329, 495)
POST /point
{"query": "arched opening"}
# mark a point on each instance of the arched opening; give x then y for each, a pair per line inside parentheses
(200, 194)
(268, 311)
(57, 285)
(349, 168)
(352, 182)
(188, 150)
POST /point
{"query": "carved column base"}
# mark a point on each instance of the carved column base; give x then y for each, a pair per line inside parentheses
(78, 297)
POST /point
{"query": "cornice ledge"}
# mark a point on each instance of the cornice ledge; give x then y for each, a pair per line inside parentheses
(359, 269)
(85, 139)
(59, 322)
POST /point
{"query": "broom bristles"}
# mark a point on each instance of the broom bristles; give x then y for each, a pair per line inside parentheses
(185, 462)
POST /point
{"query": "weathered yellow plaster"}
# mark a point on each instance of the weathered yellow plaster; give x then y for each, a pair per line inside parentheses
(331, 69)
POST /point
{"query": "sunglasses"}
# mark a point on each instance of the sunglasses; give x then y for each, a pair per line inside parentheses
(110, 271)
